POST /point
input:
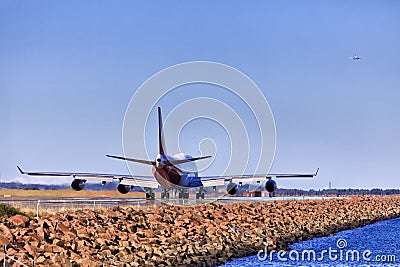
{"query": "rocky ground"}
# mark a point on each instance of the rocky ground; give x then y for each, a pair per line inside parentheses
(202, 235)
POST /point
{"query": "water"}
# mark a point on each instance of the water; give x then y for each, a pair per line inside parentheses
(376, 245)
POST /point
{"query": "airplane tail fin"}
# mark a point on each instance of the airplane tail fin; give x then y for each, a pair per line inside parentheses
(161, 145)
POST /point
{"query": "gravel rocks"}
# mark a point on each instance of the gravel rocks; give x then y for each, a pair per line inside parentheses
(203, 235)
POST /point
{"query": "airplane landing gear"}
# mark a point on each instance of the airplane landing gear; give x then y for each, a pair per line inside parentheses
(165, 194)
(149, 193)
(200, 193)
(183, 193)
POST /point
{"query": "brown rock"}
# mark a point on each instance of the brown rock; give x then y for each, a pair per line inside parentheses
(100, 241)
(5, 231)
(3, 240)
(82, 233)
(19, 220)
(40, 259)
(30, 249)
(47, 248)
(11, 251)
(63, 228)
(57, 249)
(81, 244)
(58, 242)
(125, 244)
(40, 233)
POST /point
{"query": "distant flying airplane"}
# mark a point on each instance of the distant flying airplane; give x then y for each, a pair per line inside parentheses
(355, 57)
(172, 173)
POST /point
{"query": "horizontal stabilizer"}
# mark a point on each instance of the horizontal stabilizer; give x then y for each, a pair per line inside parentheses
(179, 161)
(147, 162)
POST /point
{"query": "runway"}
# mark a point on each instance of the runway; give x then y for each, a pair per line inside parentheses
(263, 199)
(109, 202)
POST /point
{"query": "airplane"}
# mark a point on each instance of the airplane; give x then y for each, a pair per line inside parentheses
(169, 174)
(355, 57)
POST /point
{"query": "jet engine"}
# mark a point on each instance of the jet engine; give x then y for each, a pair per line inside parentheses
(78, 184)
(232, 188)
(270, 186)
(123, 188)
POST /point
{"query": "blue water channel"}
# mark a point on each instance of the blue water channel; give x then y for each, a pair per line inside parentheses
(373, 245)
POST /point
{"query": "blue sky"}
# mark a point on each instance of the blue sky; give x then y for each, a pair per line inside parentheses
(68, 70)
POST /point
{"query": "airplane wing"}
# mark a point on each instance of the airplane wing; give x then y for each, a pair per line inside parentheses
(142, 181)
(209, 181)
(149, 181)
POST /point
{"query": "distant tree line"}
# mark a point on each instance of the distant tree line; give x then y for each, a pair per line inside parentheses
(336, 192)
(16, 185)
